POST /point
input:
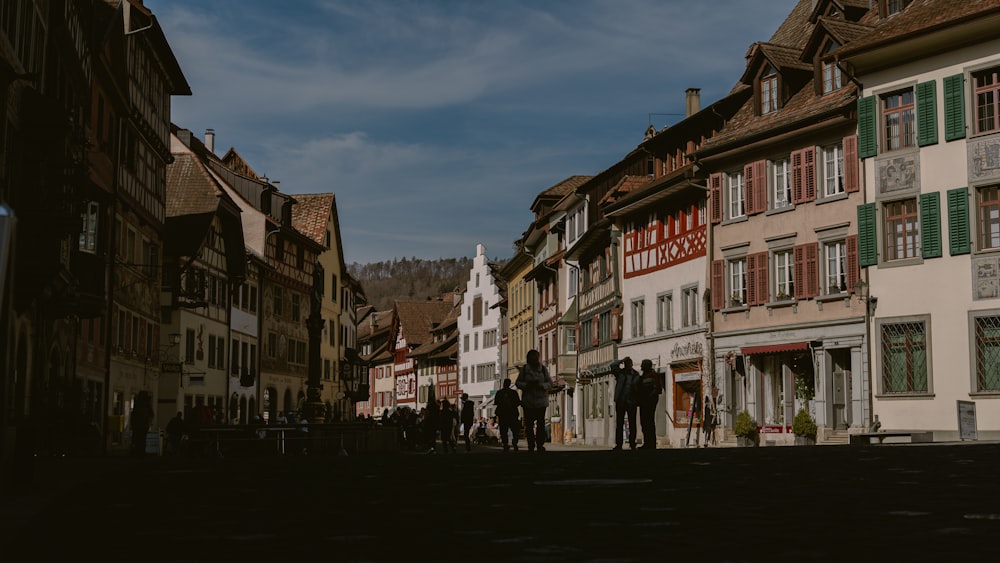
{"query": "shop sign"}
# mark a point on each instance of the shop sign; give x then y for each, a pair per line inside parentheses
(687, 350)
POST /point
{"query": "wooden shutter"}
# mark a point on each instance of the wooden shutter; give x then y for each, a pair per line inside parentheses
(718, 284)
(852, 165)
(959, 241)
(797, 187)
(927, 132)
(853, 271)
(812, 269)
(715, 197)
(616, 318)
(750, 189)
(954, 107)
(760, 195)
(809, 174)
(763, 290)
(595, 326)
(867, 128)
(867, 241)
(930, 225)
(752, 279)
(799, 271)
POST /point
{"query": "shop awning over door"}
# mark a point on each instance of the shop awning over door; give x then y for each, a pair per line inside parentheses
(774, 348)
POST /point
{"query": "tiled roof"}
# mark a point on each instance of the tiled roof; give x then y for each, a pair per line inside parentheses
(417, 318)
(190, 190)
(311, 215)
(624, 186)
(235, 162)
(795, 30)
(559, 190)
(844, 31)
(922, 16)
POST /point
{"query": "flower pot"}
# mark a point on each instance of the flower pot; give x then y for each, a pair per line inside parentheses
(746, 442)
(805, 440)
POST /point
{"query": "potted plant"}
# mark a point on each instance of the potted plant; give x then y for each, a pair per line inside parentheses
(782, 296)
(746, 431)
(736, 299)
(804, 428)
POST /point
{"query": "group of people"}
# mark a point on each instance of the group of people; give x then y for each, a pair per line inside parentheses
(635, 392)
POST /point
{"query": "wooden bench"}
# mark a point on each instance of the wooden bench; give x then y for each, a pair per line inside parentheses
(868, 438)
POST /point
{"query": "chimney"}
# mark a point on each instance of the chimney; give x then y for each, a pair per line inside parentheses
(692, 101)
(210, 140)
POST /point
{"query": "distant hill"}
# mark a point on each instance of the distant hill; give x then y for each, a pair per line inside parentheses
(410, 278)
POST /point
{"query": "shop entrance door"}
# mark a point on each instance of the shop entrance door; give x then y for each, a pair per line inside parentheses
(840, 361)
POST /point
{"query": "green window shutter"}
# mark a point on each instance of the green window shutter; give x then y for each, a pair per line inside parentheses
(930, 225)
(954, 108)
(867, 243)
(958, 221)
(867, 128)
(927, 133)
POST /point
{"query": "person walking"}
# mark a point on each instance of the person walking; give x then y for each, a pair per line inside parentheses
(507, 402)
(431, 423)
(468, 418)
(626, 380)
(449, 426)
(648, 396)
(175, 434)
(534, 382)
(708, 421)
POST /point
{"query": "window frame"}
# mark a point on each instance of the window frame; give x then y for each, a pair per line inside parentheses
(689, 306)
(887, 232)
(768, 88)
(977, 91)
(637, 310)
(732, 277)
(987, 226)
(974, 353)
(785, 166)
(788, 280)
(837, 162)
(664, 311)
(736, 194)
(906, 112)
(880, 326)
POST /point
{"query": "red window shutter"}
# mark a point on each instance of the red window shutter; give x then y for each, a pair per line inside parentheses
(718, 284)
(853, 269)
(752, 279)
(760, 172)
(750, 189)
(799, 271)
(595, 325)
(616, 317)
(852, 165)
(812, 269)
(797, 176)
(715, 197)
(763, 288)
(809, 174)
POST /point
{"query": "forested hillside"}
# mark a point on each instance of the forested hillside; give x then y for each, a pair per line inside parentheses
(410, 278)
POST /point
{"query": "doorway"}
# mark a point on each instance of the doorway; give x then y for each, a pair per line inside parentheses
(840, 376)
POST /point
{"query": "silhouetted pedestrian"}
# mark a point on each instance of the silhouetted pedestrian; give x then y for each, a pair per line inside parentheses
(507, 401)
(534, 383)
(468, 416)
(626, 379)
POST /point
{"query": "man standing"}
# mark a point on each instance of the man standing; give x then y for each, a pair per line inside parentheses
(647, 397)
(468, 415)
(626, 380)
(534, 383)
(507, 402)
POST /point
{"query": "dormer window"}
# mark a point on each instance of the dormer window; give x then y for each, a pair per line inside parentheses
(768, 90)
(832, 79)
(891, 7)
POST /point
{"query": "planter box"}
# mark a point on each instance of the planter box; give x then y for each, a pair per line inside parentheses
(744, 442)
(805, 441)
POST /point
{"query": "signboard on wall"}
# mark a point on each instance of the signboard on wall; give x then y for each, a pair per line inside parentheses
(967, 420)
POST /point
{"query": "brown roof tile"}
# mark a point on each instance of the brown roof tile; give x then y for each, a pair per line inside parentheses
(795, 30)
(311, 215)
(190, 190)
(417, 318)
(922, 16)
(624, 186)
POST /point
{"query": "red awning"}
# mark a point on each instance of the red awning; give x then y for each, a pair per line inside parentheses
(775, 348)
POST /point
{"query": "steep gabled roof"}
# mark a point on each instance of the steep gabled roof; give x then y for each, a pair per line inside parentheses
(418, 318)
(625, 186)
(554, 193)
(311, 215)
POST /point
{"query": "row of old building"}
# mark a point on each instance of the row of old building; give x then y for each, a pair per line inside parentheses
(137, 267)
(826, 236)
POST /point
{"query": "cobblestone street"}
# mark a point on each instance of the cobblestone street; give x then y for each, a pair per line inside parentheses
(882, 503)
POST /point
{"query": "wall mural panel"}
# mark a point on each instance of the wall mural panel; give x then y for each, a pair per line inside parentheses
(898, 174)
(984, 158)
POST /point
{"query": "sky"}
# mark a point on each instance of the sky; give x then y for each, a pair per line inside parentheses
(437, 122)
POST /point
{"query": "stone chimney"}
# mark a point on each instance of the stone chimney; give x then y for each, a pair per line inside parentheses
(210, 140)
(692, 101)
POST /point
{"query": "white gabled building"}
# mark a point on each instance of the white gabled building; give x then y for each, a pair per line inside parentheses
(929, 227)
(479, 333)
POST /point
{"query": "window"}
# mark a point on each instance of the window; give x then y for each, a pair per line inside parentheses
(334, 290)
(88, 234)
(689, 302)
(189, 346)
(831, 75)
(465, 343)
(211, 350)
(638, 318)
(220, 353)
(477, 310)
(784, 277)
(835, 261)
(737, 282)
(899, 120)
(833, 170)
(272, 345)
(987, 352)
(904, 357)
(296, 307)
(253, 299)
(234, 356)
(890, 7)
(987, 107)
(768, 91)
(989, 217)
(781, 184)
(735, 188)
(901, 229)
(278, 303)
(664, 312)
(570, 339)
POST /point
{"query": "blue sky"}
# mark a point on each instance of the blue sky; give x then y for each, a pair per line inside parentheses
(436, 123)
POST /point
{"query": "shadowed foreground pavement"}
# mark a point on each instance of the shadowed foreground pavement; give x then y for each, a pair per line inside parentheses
(883, 503)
